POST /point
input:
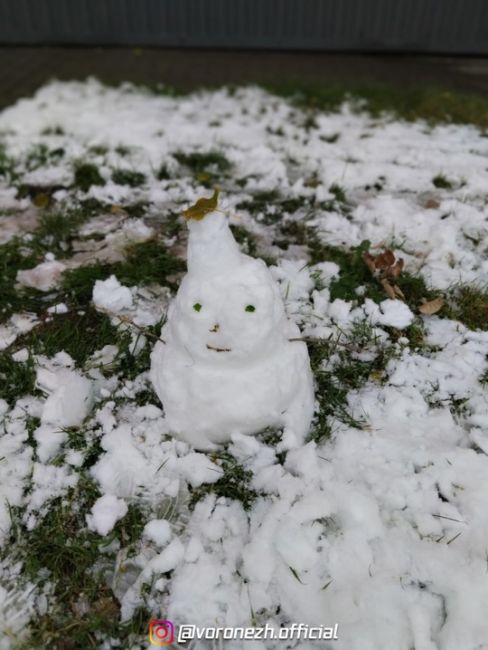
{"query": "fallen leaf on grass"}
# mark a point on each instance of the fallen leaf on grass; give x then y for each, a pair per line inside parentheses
(399, 292)
(384, 265)
(396, 269)
(376, 375)
(312, 182)
(369, 261)
(386, 269)
(384, 260)
(389, 290)
(41, 200)
(117, 209)
(203, 177)
(432, 306)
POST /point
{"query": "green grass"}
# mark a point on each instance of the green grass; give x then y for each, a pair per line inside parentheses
(149, 263)
(14, 256)
(122, 150)
(250, 245)
(56, 226)
(414, 333)
(333, 385)
(53, 130)
(146, 263)
(128, 177)
(338, 192)
(86, 175)
(82, 330)
(77, 284)
(173, 225)
(62, 550)
(91, 206)
(98, 150)
(435, 105)
(130, 365)
(46, 545)
(146, 396)
(39, 155)
(136, 210)
(79, 334)
(260, 202)
(330, 139)
(271, 437)
(16, 378)
(234, 483)
(163, 173)
(40, 195)
(264, 204)
(56, 232)
(469, 304)
(203, 162)
(441, 182)
(353, 271)
(246, 239)
(208, 168)
(415, 290)
(7, 164)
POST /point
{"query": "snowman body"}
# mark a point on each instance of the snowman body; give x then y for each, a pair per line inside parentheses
(227, 364)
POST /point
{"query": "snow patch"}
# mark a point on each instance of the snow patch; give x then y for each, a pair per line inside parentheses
(111, 295)
(105, 513)
(43, 277)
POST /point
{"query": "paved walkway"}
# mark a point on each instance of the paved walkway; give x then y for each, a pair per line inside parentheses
(23, 69)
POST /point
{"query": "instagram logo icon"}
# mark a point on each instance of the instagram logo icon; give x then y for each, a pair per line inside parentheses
(161, 632)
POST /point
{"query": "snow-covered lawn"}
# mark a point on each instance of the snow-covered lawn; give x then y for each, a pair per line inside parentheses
(379, 522)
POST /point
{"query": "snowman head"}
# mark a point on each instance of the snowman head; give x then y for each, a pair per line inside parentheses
(228, 305)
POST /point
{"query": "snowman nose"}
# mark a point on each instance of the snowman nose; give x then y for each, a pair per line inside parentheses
(215, 328)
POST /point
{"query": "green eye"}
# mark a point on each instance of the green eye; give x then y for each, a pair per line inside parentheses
(197, 306)
(250, 308)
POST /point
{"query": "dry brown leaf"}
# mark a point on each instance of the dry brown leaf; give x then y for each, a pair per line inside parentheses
(384, 260)
(312, 182)
(395, 270)
(117, 209)
(369, 261)
(432, 306)
(41, 200)
(432, 204)
(389, 290)
(386, 270)
(399, 292)
(376, 375)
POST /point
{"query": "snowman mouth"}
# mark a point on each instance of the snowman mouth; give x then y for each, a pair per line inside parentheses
(211, 347)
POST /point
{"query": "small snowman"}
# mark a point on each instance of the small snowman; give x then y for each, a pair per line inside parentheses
(226, 364)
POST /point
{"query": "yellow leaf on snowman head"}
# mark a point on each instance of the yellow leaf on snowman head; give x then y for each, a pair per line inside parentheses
(202, 207)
